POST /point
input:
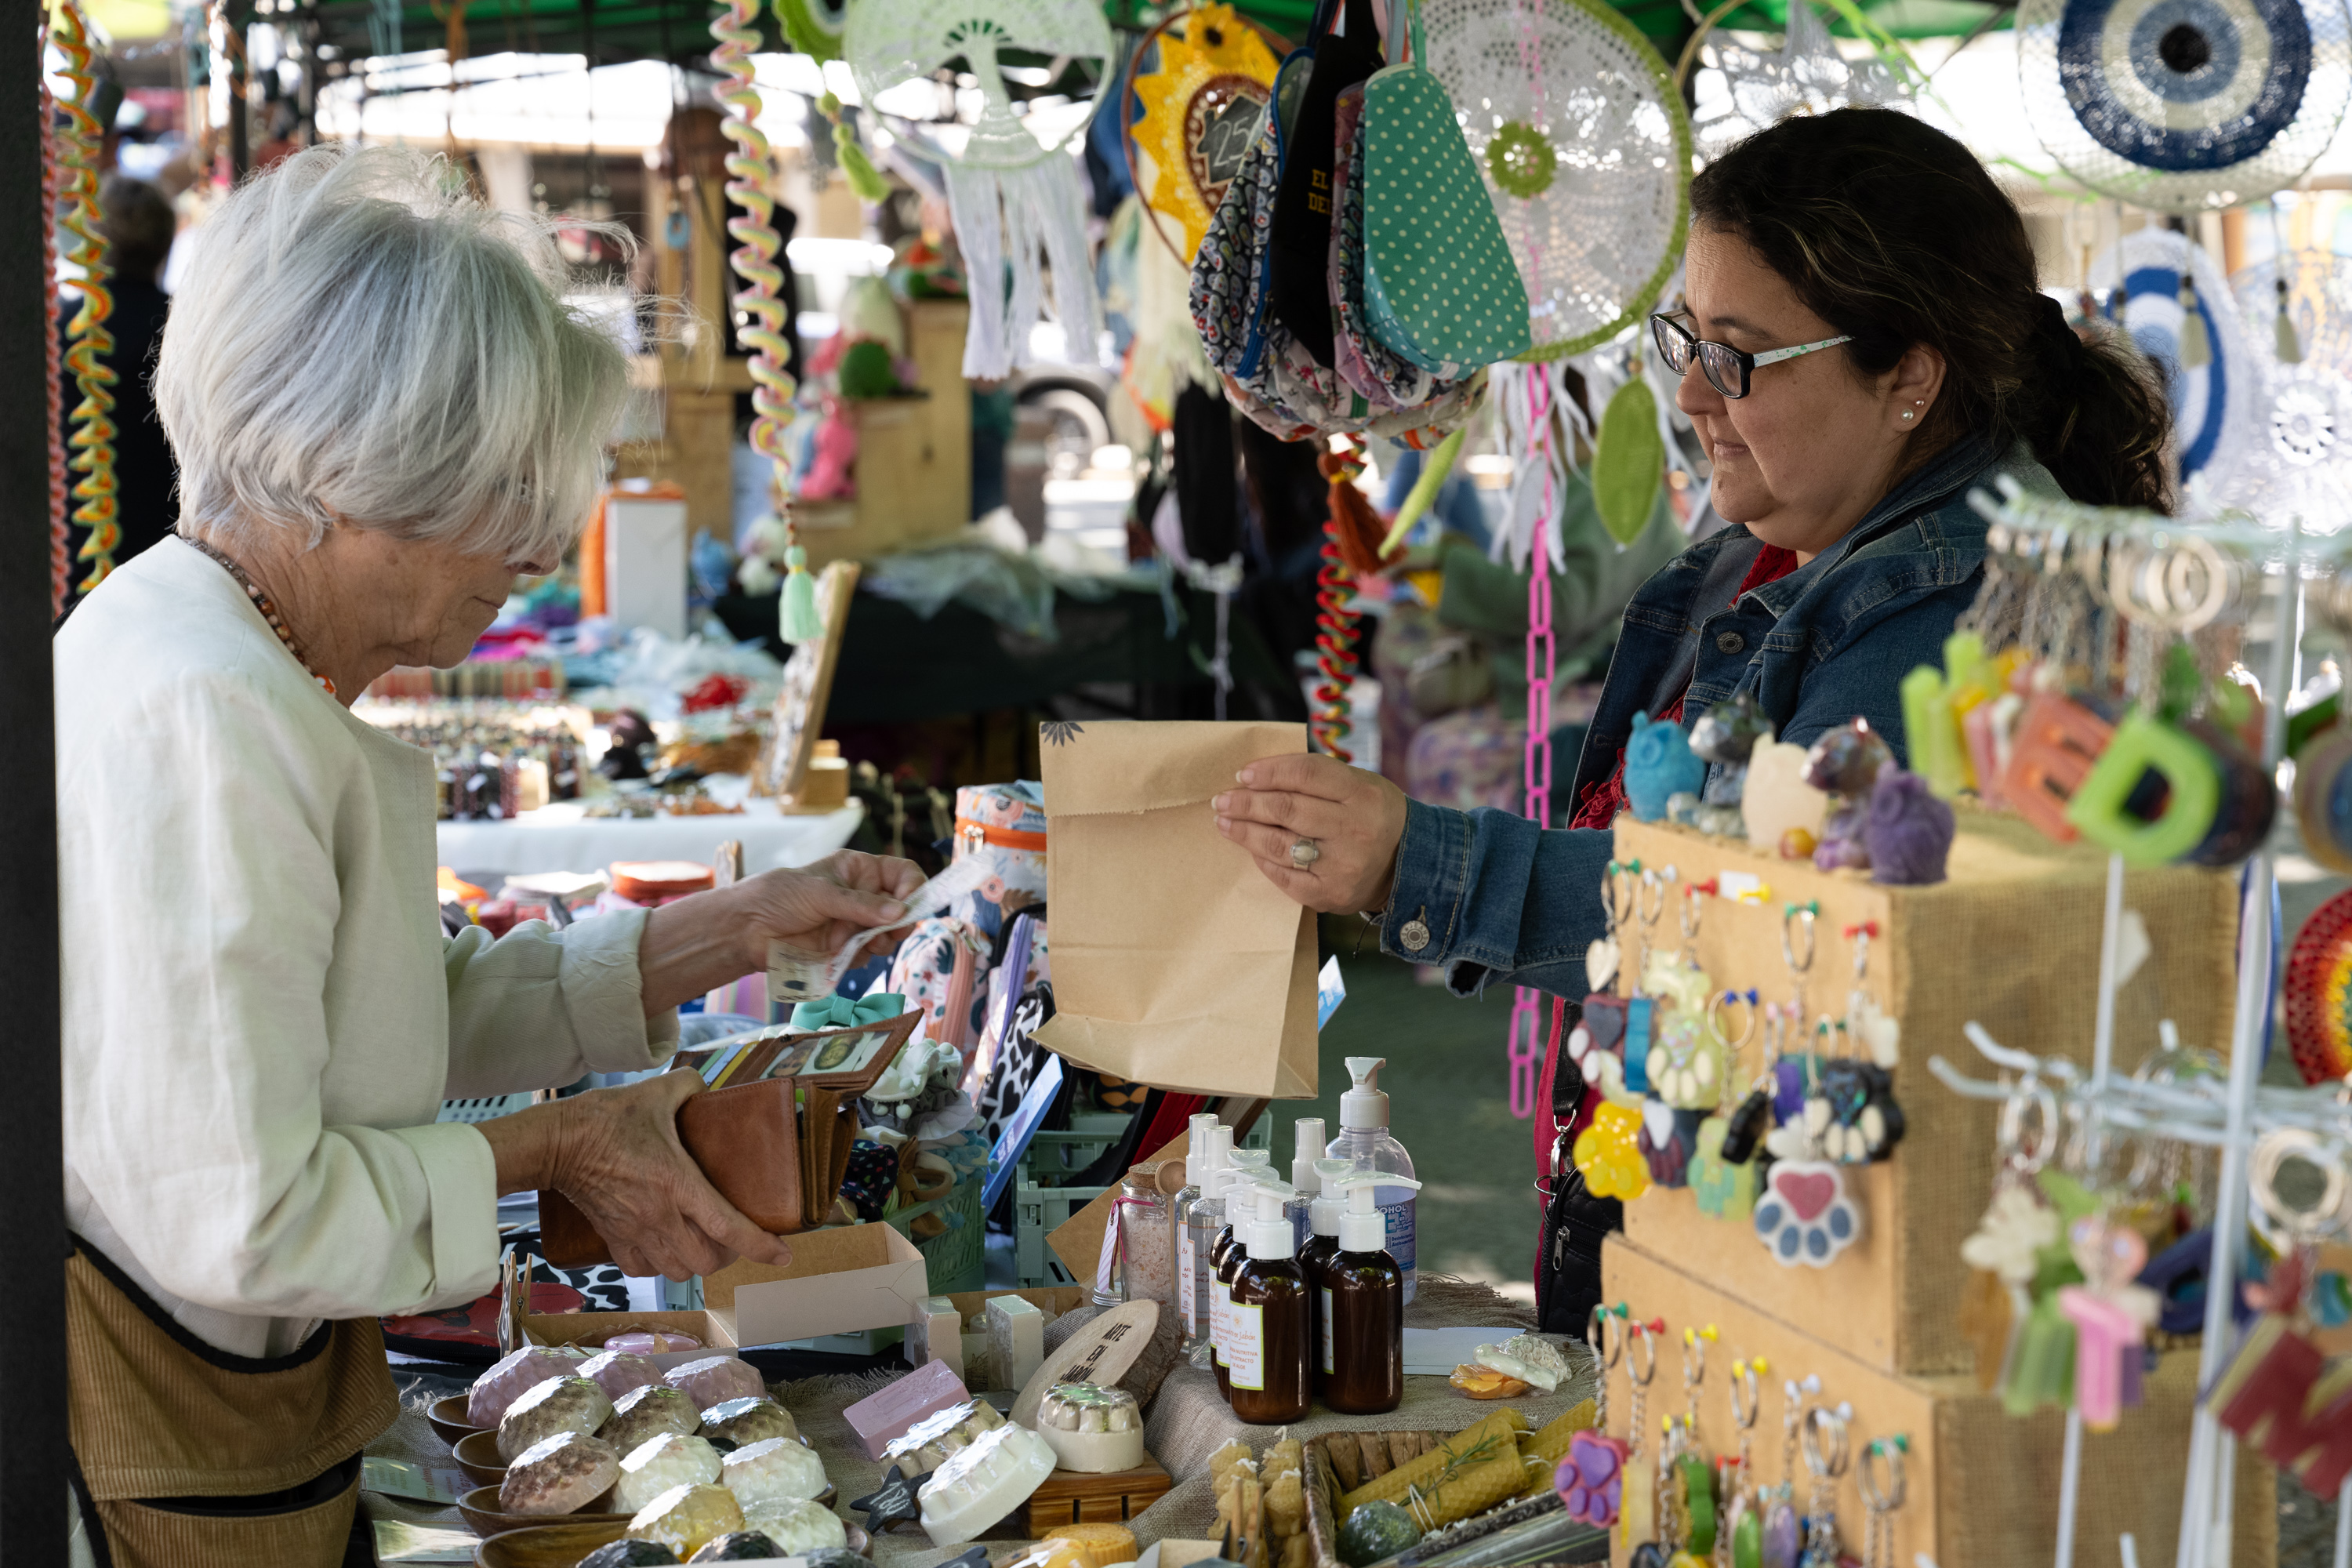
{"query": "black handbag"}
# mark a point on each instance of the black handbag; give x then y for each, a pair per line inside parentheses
(1567, 1252)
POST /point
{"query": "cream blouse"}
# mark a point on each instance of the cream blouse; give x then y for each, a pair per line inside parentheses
(262, 1015)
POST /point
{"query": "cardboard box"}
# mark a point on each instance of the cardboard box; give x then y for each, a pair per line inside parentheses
(841, 1279)
(1982, 1485)
(2011, 942)
(592, 1329)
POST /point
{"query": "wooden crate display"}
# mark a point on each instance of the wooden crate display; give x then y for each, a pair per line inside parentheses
(2011, 942)
(914, 454)
(1982, 1486)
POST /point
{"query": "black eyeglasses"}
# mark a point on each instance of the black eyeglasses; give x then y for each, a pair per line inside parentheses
(1727, 368)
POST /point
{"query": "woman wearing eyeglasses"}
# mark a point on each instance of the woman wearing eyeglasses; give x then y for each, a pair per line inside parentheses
(1861, 344)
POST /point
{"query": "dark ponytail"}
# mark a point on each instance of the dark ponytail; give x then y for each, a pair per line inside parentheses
(1892, 231)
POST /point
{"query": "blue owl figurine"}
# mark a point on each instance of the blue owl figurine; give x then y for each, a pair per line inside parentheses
(1659, 764)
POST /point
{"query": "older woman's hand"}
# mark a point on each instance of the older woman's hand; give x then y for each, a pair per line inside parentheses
(709, 939)
(1354, 818)
(615, 1154)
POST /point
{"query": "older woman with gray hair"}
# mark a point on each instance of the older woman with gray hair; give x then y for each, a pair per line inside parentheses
(384, 412)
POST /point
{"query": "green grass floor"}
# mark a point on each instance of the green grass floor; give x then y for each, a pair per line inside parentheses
(1449, 1105)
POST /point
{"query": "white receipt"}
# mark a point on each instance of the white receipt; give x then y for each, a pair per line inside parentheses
(932, 898)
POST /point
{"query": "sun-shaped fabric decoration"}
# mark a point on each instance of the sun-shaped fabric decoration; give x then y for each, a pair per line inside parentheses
(1579, 136)
(2184, 105)
(1806, 75)
(1013, 199)
(1196, 114)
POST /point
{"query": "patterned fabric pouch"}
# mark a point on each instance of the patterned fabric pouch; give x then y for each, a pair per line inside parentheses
(1384, 379)
(1441, 288)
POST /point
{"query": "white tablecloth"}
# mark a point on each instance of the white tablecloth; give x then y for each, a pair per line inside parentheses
(559, 839)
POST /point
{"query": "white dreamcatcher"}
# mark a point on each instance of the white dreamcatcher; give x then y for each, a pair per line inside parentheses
(2303, 414)
(1017, 203)
(1745, 90)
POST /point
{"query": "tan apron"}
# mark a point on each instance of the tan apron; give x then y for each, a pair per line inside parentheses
(192, 1457)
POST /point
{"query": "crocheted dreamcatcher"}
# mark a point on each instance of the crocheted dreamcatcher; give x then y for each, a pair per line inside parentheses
(1012, 198)
(2184, 105)
(2301, 392)
(1806, 75)
(1197, 111)
(759, 304)
(1581, 139)
(2212, 371)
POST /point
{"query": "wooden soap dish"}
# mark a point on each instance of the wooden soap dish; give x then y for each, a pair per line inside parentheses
(1078, 1497)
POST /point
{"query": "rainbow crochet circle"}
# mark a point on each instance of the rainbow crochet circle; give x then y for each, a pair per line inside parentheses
(2319, 993)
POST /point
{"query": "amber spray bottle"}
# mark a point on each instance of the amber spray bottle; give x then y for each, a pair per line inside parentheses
(1363, 1306)
(1270, 1349)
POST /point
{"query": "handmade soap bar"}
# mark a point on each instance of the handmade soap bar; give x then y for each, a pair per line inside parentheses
(683, 1517)
(562, 1474)
(927, 1445)
(983, 1482)
(558, 1404)
(659, 1464)
(880, 1418)
(1016, 1341)
(619, 1372)
(1098, 1430)
(645, 1414)
(716, 1379)
(740, 1423)
(1089, 1546)
(776, 1472)
(935, 1334)
(798, 1528)
(524, 1370)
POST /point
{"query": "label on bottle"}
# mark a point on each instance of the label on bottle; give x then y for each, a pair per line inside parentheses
(1396, 1208)
(1244, 1348)
(1220, 1303)
(1328, 1367)
(1188, 1292)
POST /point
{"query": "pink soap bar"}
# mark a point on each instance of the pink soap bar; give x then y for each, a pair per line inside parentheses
(714, 1380)
(879, 1419)
(618, 1371)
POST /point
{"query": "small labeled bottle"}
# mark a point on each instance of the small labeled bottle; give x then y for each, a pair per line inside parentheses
(1188, 1256)
(1322, 1244)
(1308, 1131)
(1365, 1139)
(1229, 1264)
(1363, 1305)
(1269, 1350)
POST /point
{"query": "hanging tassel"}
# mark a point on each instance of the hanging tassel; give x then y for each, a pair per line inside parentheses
(1423, 494)
(2196, 348)
(865, 181)
(2289, 348)
(797, 610)
(1354, 525)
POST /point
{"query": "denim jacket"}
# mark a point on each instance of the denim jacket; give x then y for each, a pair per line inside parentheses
(1491, 896)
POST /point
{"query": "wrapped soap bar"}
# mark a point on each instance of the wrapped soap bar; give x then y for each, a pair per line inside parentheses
(653, 1341)
(619, 1372)
(798, 1528)
(513, 1376)
(935, 1334)
(714, 1380)
(1529, 1358)
(880, 1418)
(927, 1445)
(738, 1546)
(555, 1404)
(645, 1412)
(983, 1482)
(684, 1518)
(662, 1464)
(1016, 1341)
(777, 1471)
(1089, 1546)
(562, 1474)
(1093, 1429)
(741, 1421)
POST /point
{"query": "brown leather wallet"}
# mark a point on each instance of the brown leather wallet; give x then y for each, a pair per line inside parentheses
(782, 1169)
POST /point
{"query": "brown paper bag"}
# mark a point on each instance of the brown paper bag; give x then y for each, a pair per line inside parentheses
(1175, 961)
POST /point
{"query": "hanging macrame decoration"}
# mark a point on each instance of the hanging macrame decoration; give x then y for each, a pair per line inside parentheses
(813, 26)
(1197, 112)
(1806, 75)
(2178, 308)
(2184, 105)
(1581, 137)
(759, 304)
(2300, 406)
(94, 437)
(1018, 206)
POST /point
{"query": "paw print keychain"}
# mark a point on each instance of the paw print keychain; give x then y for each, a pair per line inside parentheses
(1687, 1070)
(1637, 1516)
(1744, 1128)
(1590, 1480)
(1805, 1212)
(1725, 1188)
(1850, 1111)
(1691, 1487)
(1826, 1455)
(1649, 903)
(1793, 1075)
(1739, 1537)
(1783, 1537)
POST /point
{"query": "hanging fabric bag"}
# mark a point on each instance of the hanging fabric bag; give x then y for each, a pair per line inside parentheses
(1441, 289)
(1298, 292)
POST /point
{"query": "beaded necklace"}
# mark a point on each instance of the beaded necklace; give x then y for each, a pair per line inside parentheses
(268, 612)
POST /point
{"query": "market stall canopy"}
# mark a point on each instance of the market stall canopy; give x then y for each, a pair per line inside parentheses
(611, 31)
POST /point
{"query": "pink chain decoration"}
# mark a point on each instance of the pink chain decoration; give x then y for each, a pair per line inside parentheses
(60, 534)
(1526, 1045)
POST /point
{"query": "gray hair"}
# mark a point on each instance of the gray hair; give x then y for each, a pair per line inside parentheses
(361, 340)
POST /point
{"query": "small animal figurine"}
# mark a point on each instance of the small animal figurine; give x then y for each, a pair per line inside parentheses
(1659, 764)
(1776, 799)
(1847, 763)
(1726, 735)
(1909, 831)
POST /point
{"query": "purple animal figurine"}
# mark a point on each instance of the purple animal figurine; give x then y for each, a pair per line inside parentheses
(1909, 832)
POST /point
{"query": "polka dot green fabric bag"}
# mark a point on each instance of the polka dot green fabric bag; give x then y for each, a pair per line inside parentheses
(1441, 290)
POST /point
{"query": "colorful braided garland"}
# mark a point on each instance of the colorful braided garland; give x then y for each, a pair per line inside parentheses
(1335, 629)
(60, 536)
(737, 33)
(94, 437)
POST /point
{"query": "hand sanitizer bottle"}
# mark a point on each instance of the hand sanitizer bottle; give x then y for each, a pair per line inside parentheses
(1365, 1142)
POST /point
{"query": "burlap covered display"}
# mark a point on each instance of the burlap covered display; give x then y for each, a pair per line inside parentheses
(2011, 942)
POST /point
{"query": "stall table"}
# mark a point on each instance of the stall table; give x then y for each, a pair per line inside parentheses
(561, 839)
